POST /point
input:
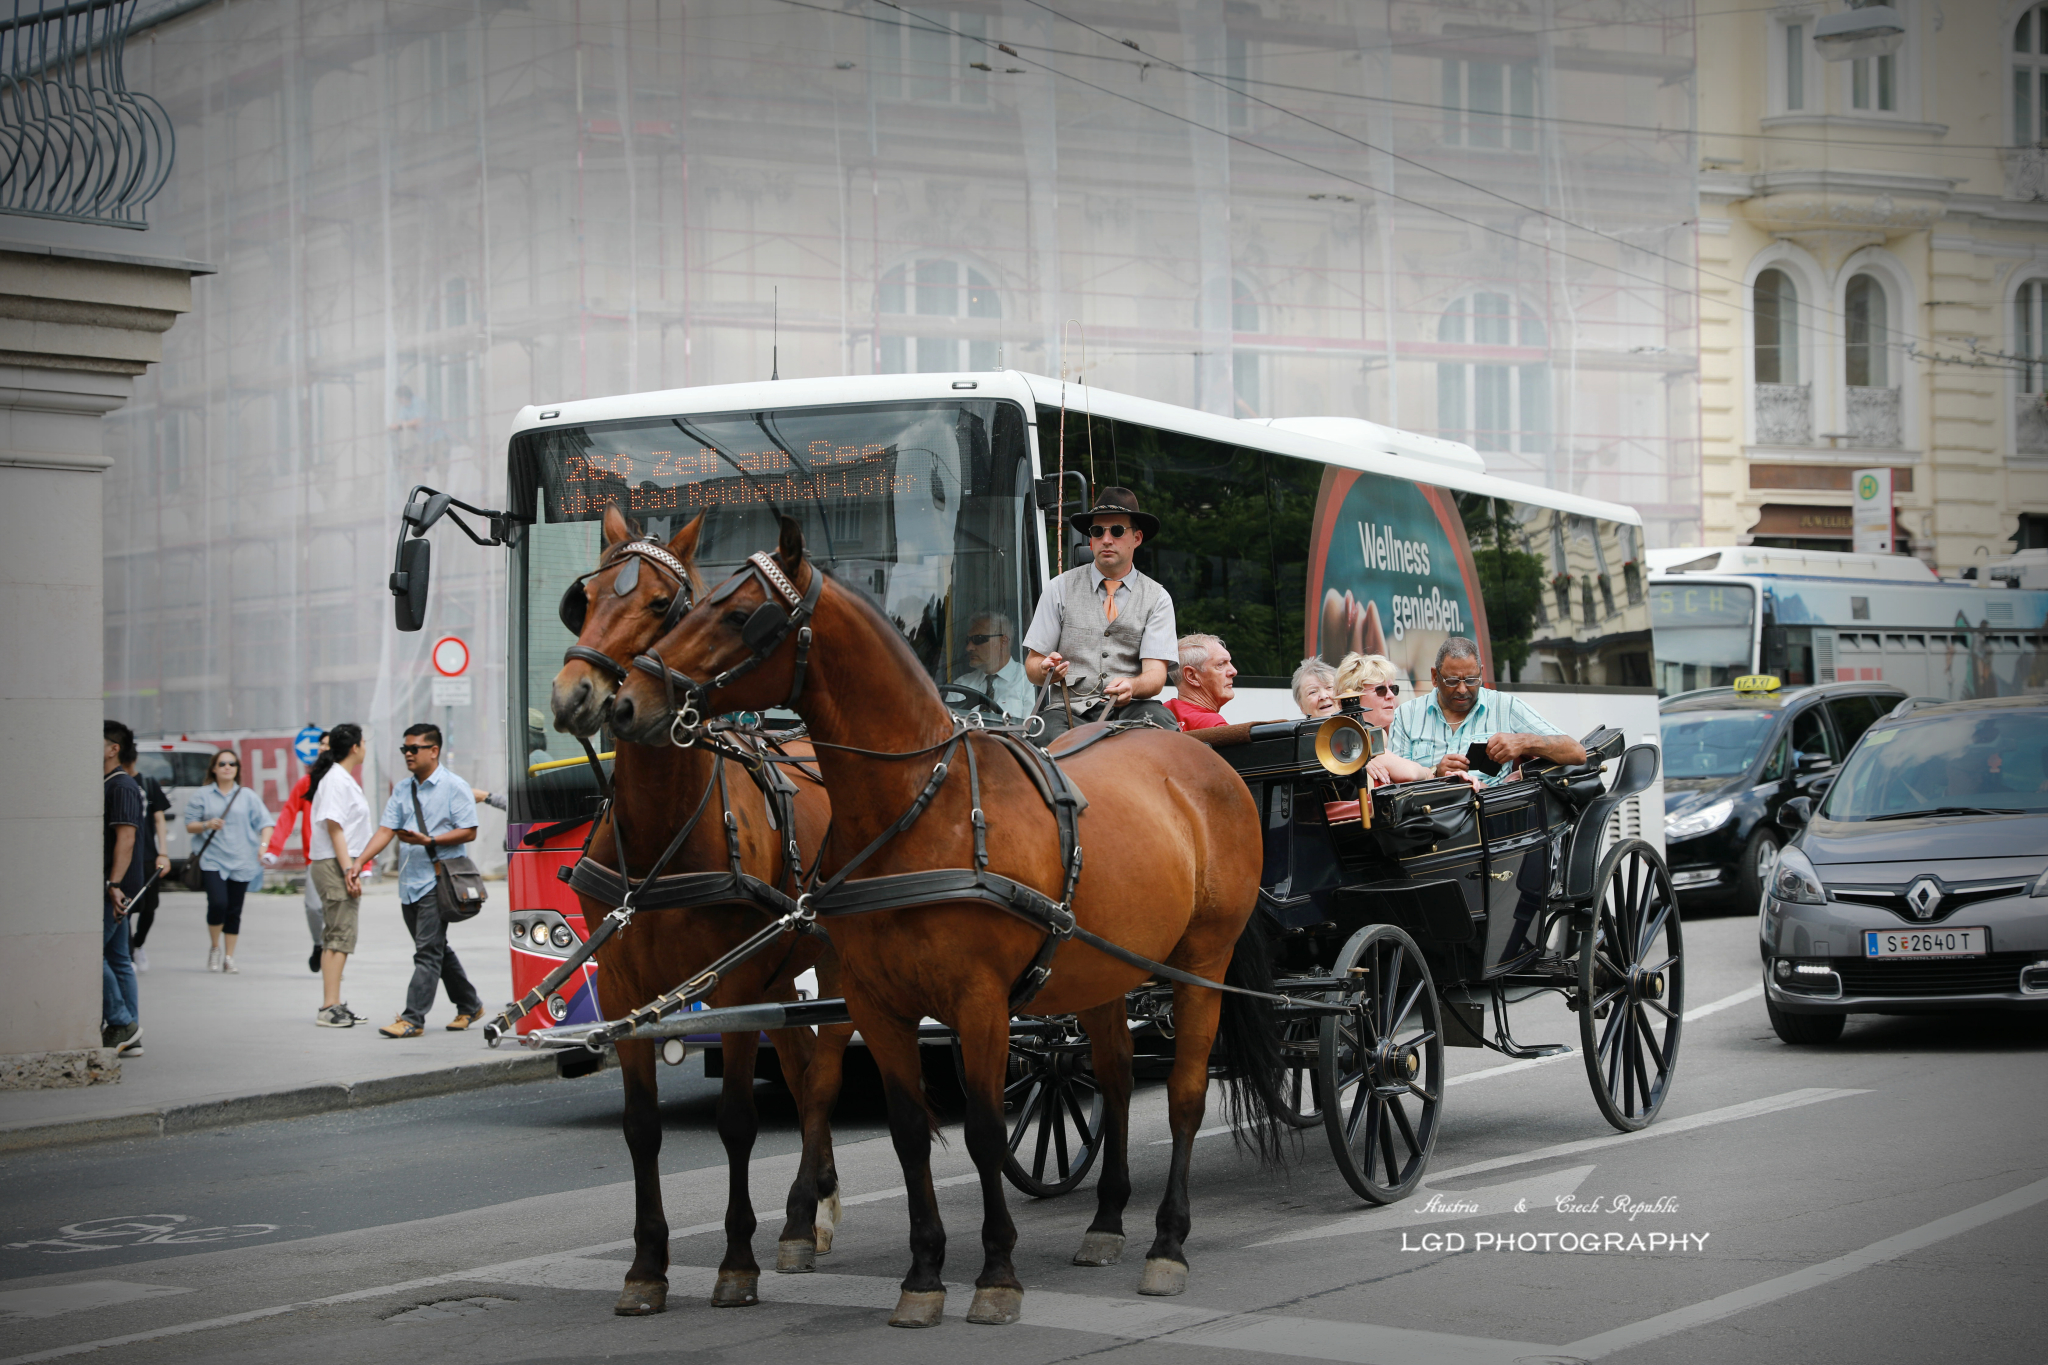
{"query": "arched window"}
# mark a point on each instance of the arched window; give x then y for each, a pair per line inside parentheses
(2030, 340)
(1776, 300)
(936, 288)
(1496, 406)
(1244, 365)
(2030, 78)
(1872, 400)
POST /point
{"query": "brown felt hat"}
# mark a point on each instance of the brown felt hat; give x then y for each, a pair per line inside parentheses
(1120, 503)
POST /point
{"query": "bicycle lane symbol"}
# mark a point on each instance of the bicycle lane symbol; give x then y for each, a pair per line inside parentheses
(136, 1230)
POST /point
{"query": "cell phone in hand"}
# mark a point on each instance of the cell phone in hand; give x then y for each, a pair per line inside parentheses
(1477, 760)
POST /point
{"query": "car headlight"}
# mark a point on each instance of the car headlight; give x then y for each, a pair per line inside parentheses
(1701, 821)
(1795, 880)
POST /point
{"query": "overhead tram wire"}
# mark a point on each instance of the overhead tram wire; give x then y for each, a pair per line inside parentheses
(1734, 302)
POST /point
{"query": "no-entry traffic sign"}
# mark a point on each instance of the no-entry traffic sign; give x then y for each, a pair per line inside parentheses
(451, 656)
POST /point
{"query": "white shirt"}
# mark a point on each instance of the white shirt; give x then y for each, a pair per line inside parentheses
(340, 799)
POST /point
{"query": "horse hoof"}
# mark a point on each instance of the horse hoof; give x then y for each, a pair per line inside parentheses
(826, 1221)
(1163, 1278)
(795, 1258)
(641, 1298)
(919, 1308)
(1100, 1248)
(996, 1306)
(736, 1289)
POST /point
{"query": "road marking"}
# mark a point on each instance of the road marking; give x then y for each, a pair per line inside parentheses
(1543, 1190)
(1799, 1281)
(47, 1301)
(1746, 994)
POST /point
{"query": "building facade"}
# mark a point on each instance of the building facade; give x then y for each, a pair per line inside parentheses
(1874, 267)
(1471, 219)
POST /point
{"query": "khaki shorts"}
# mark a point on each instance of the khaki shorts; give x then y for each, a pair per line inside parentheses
(337, 906)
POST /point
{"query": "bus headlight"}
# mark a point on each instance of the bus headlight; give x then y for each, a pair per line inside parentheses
(1795, 880)
(1702, 821)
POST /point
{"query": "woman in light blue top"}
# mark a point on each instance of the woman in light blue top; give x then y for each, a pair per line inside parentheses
(232, 823)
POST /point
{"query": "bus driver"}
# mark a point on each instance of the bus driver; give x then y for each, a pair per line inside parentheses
(1103, 632)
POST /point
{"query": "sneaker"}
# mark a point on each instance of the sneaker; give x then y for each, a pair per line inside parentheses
(141, 960)
(313, 962)
(123, 1038)
(213, 956)
(401, 1027)
(465, 1019)
(354, 1018)
(227, 964)
(130, 1050)
(335, 1016)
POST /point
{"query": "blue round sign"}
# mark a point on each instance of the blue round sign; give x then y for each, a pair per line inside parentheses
(306, 744)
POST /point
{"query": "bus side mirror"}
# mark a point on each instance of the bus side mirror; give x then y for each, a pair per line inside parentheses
(409, 582)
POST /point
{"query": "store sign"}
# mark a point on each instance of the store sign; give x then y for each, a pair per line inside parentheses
(1871, 511)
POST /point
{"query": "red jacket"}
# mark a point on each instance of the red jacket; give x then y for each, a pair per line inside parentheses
(297, 811)
(1193, 717)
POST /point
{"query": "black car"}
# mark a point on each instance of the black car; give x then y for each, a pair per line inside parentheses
(1919, 882)
(1732, 760)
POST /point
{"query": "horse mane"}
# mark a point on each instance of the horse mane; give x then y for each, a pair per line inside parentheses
(865, 604)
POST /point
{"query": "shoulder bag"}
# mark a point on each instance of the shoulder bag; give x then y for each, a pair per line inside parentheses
(190, 876)
(458, 886)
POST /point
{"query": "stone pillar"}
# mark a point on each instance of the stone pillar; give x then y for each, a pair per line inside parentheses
(82, 311)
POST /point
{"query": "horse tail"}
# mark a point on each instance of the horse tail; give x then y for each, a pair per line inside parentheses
(1249, 1039)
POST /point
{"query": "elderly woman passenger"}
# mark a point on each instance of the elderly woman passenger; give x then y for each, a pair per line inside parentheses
(1374, 680)
(1314, 685)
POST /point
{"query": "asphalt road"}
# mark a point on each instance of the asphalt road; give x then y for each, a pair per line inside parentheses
(1882, 1199)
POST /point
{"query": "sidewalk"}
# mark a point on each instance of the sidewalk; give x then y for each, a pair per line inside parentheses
(228, 1049)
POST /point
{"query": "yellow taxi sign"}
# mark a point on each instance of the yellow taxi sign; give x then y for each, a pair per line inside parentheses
(1757, 682)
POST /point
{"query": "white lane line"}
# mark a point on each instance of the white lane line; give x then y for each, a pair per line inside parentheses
(1540, 1190)
(1827, 1272)
(1747, 993)
(1791, 1099)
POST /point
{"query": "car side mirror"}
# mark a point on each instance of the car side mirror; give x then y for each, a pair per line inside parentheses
(1794, 814)
(1812, 763)
(409, 582)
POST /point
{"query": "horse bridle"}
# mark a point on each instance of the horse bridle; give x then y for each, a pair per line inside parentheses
(763, 633)
(626, 558)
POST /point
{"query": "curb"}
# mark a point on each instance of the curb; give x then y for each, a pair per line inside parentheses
(280, 1104)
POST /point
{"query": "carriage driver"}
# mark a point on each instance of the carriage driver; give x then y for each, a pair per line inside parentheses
(1103, 629)
(1435, 728)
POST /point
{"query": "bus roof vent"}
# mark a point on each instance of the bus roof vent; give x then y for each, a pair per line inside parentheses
(1704, 564)
(1375, 439)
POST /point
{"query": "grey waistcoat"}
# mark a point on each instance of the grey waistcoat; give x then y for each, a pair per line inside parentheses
(1095, 648)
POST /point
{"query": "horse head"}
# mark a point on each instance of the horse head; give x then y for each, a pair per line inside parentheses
(618, 610)
(736, 650)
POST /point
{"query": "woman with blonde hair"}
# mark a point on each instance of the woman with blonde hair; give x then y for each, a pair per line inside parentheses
(1373, 682)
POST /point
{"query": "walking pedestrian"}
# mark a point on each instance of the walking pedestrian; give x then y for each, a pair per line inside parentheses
(432, 809)
(341, 825)
(155, 863)
(121, 820)
(235, 823)
(297, 814)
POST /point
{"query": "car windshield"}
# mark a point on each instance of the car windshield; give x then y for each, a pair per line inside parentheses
(1714, 743)
(1961, 762)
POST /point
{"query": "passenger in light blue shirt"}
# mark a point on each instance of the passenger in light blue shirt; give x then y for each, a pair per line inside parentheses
(1435, 729)
(449, 804)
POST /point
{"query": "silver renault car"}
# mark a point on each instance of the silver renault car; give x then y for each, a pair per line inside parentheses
(1918, 882)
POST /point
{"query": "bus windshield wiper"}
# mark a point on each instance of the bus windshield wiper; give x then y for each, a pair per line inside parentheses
(1949, 810)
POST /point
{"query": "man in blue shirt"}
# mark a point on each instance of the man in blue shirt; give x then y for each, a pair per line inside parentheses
(449, 805)
(1437, 727)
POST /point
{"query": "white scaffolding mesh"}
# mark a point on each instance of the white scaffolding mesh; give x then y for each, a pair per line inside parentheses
(1472, 219)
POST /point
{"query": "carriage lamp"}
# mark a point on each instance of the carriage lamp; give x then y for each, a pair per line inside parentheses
(1343, 745)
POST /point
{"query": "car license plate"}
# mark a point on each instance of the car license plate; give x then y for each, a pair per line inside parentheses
(1927, 942)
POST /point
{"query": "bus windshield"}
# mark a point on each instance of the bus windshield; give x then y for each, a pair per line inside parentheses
(921, 505)
(1705, 634)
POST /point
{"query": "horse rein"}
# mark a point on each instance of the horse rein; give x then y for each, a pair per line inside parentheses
(626, 558)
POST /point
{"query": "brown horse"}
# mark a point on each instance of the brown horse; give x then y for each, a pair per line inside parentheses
(657, 788)
(1172, 859)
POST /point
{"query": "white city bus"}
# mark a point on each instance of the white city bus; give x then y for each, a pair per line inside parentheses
(933, 493)
(1721, 612)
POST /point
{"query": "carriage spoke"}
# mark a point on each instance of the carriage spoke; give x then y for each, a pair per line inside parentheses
(1649, 1036)
(1031, 1107)
(1659, 1006)
(1387, 1142)
(1613, 968)
(1407, 1130)
(1636, 1068)
(1392, 984)
(1058, 1120)
(1656, 927)
(1407, 1008)
(1665, 965)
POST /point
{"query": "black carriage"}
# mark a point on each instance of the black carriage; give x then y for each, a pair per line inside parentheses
(1423, 910)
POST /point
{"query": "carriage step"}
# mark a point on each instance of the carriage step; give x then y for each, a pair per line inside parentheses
(1525, 1054)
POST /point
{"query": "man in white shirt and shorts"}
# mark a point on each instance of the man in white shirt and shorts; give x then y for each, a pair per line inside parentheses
(340, 819)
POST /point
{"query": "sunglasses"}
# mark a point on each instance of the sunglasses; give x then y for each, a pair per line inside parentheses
(1113, 532)
(227, 763)
(1383, 690)
(984, 639)
(1458, 684)
(410, 749)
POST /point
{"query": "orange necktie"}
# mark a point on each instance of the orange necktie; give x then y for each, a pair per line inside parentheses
(1109, 607)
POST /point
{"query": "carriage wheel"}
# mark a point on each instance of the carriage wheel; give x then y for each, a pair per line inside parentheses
(1301, 1101)
(1380, 1068)
(1053, 1110)
(1631, 985)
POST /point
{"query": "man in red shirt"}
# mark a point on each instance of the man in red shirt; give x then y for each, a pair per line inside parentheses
(1206, 682)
